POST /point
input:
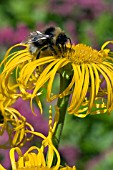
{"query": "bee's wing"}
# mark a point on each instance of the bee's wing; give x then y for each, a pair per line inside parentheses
(35, 37)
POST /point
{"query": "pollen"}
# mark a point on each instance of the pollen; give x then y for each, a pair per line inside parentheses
(81, 53)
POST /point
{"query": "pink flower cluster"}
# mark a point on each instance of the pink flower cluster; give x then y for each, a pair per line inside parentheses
(71, 7)
(10, 36)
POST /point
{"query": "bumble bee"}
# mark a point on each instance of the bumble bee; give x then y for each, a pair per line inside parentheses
(58, 37)
(50, 38)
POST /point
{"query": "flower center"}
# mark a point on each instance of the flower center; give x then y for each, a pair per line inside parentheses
(81, 53)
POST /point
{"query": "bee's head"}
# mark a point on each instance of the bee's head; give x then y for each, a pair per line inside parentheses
(61, 38)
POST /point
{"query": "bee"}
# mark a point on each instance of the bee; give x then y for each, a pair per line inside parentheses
(58, 37)
(51, 38)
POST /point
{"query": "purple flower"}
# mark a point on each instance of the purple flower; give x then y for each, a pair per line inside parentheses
(4, 158)
(6, 35)
(70, 154)
(39, 123)
(78, 8)
(63, 8)
(10, 36)
(69, 25)
(20, 34)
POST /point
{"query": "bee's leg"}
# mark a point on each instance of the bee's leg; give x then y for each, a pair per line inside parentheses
(38, 55)
(59, 47)
(64, 47)
(52, 49)
(39, 52)
(70, 44)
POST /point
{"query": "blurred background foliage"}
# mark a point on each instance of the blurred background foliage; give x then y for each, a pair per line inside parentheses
(88, 142)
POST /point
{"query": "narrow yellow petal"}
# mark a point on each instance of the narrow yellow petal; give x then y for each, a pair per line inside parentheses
(77, 89)
(97, 79)
(45, 75)
(2, 168)
(109, 87)
(92, 90)
(59, 65)
(83, 92)
(12, 157)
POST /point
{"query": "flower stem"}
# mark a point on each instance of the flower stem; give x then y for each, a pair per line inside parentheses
(62, 104)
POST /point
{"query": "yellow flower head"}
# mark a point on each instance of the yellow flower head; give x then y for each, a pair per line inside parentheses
(13, 63)
(36, 161)
(34, 158)
(15, 125)
(86, 68)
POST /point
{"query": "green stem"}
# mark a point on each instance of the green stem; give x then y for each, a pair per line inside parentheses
(62, 104)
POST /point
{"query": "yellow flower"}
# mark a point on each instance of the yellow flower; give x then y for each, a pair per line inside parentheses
(36, 160)
(15, 125)
(12, 122)
(87, 68)
(13, 63)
